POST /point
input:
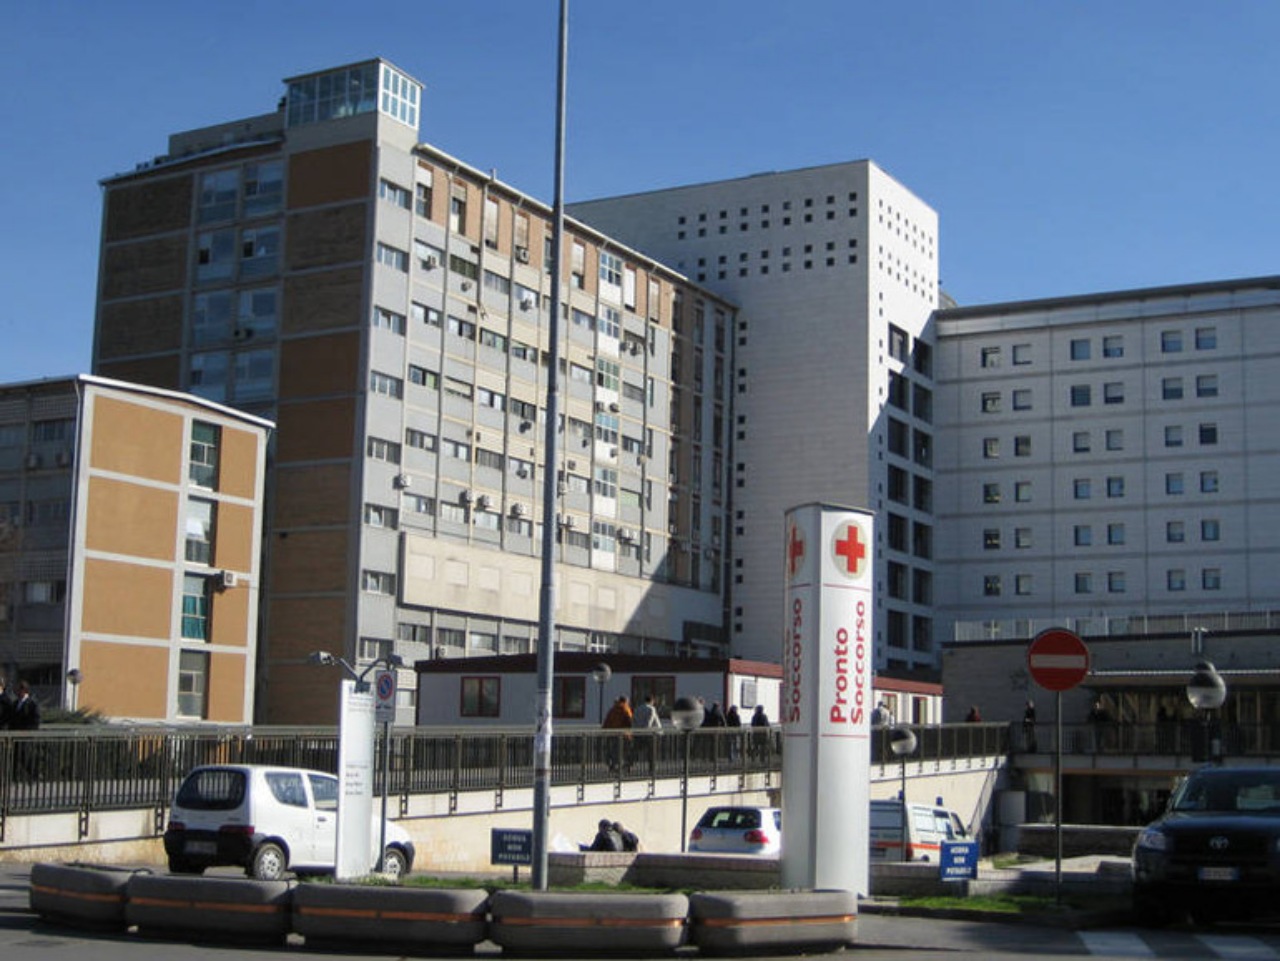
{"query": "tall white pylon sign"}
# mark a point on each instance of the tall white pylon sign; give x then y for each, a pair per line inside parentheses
(827, 698)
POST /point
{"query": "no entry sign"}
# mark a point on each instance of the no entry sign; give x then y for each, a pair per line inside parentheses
(1057, 659)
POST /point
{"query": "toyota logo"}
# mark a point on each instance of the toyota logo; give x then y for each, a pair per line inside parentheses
(1219, 843)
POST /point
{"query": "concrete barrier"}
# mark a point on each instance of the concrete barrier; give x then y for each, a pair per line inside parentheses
(80, 895)
(792, 921)
(209, 908)
(539, 922)
(381, 917)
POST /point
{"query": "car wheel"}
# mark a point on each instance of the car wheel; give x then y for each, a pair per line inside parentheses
(394, 863)
(269, 862)
(1154, 911)
(183, 866)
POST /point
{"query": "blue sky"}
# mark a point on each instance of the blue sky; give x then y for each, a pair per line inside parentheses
(1068, 147)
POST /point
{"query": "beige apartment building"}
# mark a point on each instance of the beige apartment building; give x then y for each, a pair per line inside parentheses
(389, 307)
(130, 536)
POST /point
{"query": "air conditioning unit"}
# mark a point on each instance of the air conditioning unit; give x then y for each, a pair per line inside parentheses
(228, 579)
(614, 407)
(465, 285)
(600, 405)
(525, 425)
(403, 481)
(523, 473)
(517, 510)
(567, 521)
(522, 254)
(430, 262)
(464, 497)
(32, 461)
(635, 349)
(613, 452)
(482, 502)
(526, 303)
(626, 534)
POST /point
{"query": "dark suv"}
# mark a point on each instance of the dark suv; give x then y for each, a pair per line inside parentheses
(1215, 852)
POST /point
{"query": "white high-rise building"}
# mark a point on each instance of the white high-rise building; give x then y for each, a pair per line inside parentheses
(835, 271)
(1110, 462)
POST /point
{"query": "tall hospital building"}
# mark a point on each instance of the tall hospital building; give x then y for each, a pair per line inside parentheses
(388, 307)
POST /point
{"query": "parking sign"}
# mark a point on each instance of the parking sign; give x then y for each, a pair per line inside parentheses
(384, 697)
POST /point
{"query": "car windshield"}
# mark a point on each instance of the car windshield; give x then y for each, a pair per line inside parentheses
(212, 789)
(733, 819)
(1226, 790)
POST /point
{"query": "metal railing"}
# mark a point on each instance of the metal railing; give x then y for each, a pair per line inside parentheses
(1107, 625)
(92, 769)
(1188, 738)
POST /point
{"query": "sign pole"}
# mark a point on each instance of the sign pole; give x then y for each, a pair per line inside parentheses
(1057, 802)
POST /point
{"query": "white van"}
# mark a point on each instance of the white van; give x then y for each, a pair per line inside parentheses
(928, 825)
(266, 820)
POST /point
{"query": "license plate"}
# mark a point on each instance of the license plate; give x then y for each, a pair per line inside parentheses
(202, 847)
(1219, 874)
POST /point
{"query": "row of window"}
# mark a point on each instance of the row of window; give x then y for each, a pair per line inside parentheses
(1082, 440)
(227, 254)
(481, 696)
(254, 190)
(1116, 582)
(1082, 488)
(1111, 346)
(1082, 534)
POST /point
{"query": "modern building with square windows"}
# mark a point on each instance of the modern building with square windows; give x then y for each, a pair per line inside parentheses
(130, 547)
(1152, 436)
(835, 273)
(389, 306)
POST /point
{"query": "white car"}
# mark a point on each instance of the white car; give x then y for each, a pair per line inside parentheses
(738, 830)
(927, 827)
(266, 820)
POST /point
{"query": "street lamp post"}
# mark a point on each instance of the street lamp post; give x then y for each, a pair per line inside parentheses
(1207, 691)
(601, 674)
(389, 662)
(686, 713)
(902, 742)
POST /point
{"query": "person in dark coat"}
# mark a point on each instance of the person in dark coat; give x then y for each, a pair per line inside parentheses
(630, 841)
(6, 705)
(1029, 725)
(760, 736)
(26, 712)
(606, 839)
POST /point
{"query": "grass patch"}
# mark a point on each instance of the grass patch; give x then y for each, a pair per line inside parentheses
(1000, 904)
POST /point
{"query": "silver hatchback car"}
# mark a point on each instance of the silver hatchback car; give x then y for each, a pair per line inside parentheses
(738, 830)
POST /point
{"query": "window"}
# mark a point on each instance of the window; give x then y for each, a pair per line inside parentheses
(458, 208)
(421, 313)
(1022, 399)
(1022, 584)
(202, 470)
(492, 339)
(1080, 442)
(494, 460)
(461, 328)
(991, 585)
(1022, 537)
(991, 402)
(1207, 385)
(610, 272)
(463, 267)
(1081, 395)
(1115, 439)
(193, 683)
(376, 515)
(1173, 436)
(1210, 530)
(394, 194)
(568, 696)
(497, 283)
(1115, 487)
(491, 223)
(1208, 434)
(373, 648)
(384, 319)
(1080, 349)
(419, 439)
(423, 377)
(1175, 532)
(44, 592)
(428, 257)
(991, 539)
(1113, 393)
(1173, 483)
(383, 450)
(1171, 388)
(1113, 346)
(219, 192)
(195, 607)
(991, 493)
(1084, 583)
(420, 505)
(458, 388)
(1115, 534)
(1209, 482)
(263, 188)
(393, 257)
(991, 447)
(1171, 342)
(1211, 579)
(1176, 579)
(385, 384)
(1082, 488)
(378, 582)
(1022, 491)
(1115, 582)
(1021, 354)
(1022, 445)
(259, 251)
(1083, 535)
(1206, 338)
(481, 696)
(215, 255)
(422, 198)
(199, 531)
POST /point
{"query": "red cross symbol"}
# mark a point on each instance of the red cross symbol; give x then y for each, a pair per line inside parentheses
(795, 551)
(851, 548)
